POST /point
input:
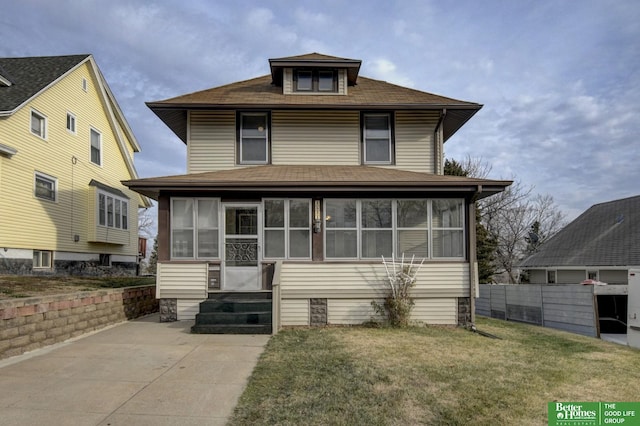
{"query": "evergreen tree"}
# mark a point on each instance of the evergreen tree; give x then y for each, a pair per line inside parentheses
(152, 267)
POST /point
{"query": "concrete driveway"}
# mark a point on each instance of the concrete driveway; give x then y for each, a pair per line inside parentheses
(141, 372)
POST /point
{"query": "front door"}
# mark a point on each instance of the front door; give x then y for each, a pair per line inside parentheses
(241, 247)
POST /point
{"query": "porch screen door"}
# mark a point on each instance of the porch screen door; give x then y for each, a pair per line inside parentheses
(241, 248)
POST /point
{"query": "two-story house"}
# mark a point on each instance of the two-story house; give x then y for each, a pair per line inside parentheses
(320, 172)
(64, 148)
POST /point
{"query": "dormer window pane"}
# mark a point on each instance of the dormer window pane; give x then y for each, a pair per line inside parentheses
(325, 81)
(305, 80)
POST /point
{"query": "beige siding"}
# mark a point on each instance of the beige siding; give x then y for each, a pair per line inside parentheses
(350, 311)
(65, 156)
(435, 311)
(212, 141)
(358, 311)
(294, 312)
(362, 280)
(182, 280)
(414, 140)
(315, 137)
(187, 309)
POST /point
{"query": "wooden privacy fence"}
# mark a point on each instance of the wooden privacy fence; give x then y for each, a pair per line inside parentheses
(568, 307)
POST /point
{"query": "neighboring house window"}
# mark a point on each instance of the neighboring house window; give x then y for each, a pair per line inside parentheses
(113, 211)
(377, 138)
(42, 259)
(253, 138)
(38, 124)
(194, 228)
(287, 229)
(592, 275)
(96, 147)
(71, 123)
(369, 229)
(45, 186)
(551, 277)
(84, 84)
(315, 81)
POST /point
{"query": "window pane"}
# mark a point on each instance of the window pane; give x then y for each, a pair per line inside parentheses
(118, 217)
(71, 123)
(376, 214)
(274, 243)
(342, 243)
(325, 81)
(377, 150)
(45, 188)
(254, 150)
(45, 259)
(37, 124)
(413, 242)
(109, 211)
(413, 214)
(182, 243)
(447, 213)
(241, 221)
(102, 209)
(207, 214)
(207, 243)
(36, 259)
(182, 214)
(377, 243)
(447, 243)
(341, 214)
(95, 147)
(274, 213)
(376, 126)
(254, 126)
(299, 243)
(299, 213)
(125, 215)
(304, 80)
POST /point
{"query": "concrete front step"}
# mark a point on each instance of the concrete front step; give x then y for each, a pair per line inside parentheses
(224, 318)
(232, 305)
(232, 329)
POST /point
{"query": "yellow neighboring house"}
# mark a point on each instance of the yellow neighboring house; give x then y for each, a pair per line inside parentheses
(64, 148)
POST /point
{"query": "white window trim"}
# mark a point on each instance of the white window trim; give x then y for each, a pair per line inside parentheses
(74, 121)
(93, 129)
(266, 138)
(195, 229)
(287, 228)
(364, 137)
(44, 176)
(44, 126)
(124, 208)
(39, 252)
(395, 228)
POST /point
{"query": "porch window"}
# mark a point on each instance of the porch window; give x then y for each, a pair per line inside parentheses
(369, 229)
(377, 138)
(194, 228)
(253, 138)
(287, 229)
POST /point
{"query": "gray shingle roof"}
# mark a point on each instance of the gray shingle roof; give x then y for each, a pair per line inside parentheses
(30, 75)
(607, 234)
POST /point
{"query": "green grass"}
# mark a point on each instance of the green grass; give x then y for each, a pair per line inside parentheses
(432, 375)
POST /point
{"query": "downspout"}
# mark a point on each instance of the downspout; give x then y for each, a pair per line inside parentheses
(436, 152)
(473, 258)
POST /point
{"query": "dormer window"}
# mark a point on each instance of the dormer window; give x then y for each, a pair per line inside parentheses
(315, 80)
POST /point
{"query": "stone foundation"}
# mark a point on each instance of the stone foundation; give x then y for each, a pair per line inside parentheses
(34, 322)
(69, 267)
(168, 310)
(318, 310)
(464, 311)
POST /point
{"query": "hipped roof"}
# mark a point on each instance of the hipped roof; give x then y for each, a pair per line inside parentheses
(316, 179)
(607, 234)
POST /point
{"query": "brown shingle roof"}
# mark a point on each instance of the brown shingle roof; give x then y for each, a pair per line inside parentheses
(315, 178)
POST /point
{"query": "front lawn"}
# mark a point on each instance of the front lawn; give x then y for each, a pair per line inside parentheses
(14, 286)
(432, 375)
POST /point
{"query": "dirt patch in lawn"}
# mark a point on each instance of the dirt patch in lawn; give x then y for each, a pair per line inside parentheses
(12, 286)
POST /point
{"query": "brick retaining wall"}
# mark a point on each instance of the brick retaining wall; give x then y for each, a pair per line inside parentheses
(33, 322)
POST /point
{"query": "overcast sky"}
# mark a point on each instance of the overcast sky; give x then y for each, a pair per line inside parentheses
(559, 79)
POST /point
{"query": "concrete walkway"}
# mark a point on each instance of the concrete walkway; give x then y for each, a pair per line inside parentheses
(142, 372)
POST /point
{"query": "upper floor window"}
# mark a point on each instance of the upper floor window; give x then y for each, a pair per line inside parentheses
(38, 124)
(253, 138)
(113, 211)
(315, 81)
(377, 138)
(96, 147)
(71, 123)
(45, 187)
